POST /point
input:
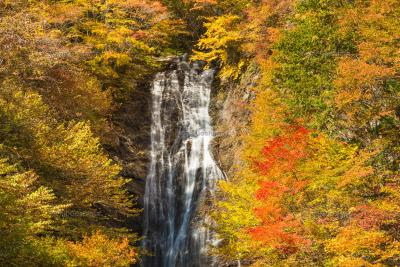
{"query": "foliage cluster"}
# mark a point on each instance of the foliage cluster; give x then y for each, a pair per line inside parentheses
(320, 175)
(64, 68)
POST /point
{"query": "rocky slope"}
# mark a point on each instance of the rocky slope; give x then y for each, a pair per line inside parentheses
(231, 117)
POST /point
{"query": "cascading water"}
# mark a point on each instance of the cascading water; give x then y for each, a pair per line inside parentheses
(182, 171)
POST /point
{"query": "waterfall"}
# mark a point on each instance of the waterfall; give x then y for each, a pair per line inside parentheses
(182, 174)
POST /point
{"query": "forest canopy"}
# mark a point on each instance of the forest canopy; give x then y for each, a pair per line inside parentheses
(320, 182)
(65, 66)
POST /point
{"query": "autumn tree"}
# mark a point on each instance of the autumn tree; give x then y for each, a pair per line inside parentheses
(244, 31)
(52, 111)
(367, 85)
(99, 250)
(27, 210)
(122, 39)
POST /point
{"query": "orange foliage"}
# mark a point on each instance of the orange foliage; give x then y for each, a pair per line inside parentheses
(357, 78)
(152, 7)
(281, 235)
(362, 76)
(99, 250)
(264, 25)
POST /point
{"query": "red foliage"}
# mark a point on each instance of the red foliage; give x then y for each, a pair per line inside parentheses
(269, 188)
(281, 234)
(279, 228)
(284, 151)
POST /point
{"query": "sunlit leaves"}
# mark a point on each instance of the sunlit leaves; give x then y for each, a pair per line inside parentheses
(222, 42)
(99, 250)
(26, 210)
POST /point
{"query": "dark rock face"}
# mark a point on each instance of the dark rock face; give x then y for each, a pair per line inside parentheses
(131, 126)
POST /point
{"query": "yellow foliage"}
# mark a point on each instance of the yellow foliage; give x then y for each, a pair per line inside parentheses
(68, 156)
(353, 241)
(99, 250)
(328, 185)
(220, 40)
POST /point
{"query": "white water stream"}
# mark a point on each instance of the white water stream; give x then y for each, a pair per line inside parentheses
(182, 171)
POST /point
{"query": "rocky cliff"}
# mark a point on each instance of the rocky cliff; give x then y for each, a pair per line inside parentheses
(231, 117)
